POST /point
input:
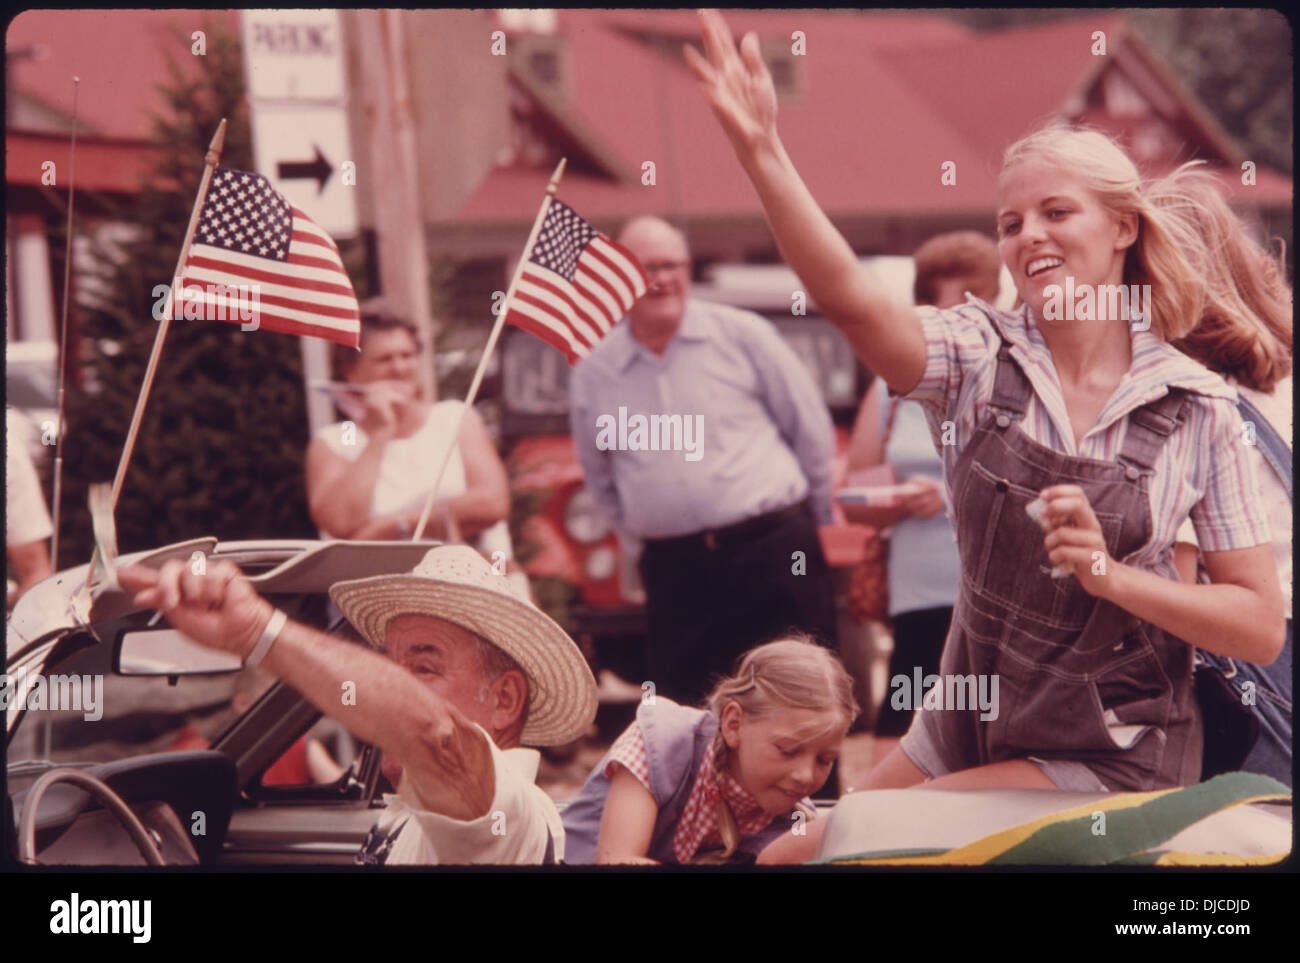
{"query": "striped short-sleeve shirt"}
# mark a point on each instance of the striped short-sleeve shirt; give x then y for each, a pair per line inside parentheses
(1202, 472)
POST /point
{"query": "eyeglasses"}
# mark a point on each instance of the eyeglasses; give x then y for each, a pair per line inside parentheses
(665, 267)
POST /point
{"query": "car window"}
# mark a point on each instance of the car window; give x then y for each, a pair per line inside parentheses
(93, 715)
(101, 716)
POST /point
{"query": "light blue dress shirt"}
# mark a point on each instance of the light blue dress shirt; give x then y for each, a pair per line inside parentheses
(766, 442)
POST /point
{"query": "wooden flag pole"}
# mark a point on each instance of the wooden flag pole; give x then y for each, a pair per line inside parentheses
(210, 162)
(551, 188)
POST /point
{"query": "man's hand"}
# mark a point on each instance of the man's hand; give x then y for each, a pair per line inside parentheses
(739, 87)
(218, 609)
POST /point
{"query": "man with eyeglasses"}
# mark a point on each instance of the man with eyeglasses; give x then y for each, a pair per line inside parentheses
(728, 521)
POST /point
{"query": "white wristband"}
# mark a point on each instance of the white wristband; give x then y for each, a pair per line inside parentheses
(272, 632)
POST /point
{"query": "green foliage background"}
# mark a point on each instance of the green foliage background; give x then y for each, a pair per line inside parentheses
(221, 447)
(1238, 61)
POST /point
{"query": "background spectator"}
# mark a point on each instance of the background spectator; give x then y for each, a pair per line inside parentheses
(368, 477)
(922, 565)
(720, 532)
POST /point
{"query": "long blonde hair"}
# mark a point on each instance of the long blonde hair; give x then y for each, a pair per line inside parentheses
(792, 672)
(1159, 256)
(1246, 327)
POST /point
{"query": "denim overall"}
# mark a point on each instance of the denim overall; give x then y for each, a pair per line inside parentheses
(1078, 677)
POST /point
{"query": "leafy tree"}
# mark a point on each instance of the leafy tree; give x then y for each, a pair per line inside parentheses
(221, 446)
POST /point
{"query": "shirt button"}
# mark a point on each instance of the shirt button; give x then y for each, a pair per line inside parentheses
(1131, 473)
(1003, 421)
(1001, 485)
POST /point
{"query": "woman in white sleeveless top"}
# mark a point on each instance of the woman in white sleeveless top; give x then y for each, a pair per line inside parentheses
(368, 477)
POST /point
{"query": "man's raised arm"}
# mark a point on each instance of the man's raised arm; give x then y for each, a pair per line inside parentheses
(447, 758)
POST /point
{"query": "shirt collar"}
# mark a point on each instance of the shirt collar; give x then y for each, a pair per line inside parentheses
(1156, 364)
(627, 349)
(522, 761)
(1170, 368)
(1159, 366)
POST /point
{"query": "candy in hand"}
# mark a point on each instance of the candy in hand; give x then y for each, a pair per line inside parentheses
(1037, 510)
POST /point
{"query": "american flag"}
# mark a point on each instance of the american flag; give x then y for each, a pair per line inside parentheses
(575, 285)
(250, 237)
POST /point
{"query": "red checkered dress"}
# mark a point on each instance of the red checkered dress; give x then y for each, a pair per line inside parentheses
(698, 826)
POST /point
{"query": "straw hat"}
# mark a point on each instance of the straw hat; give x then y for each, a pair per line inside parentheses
(455, 583)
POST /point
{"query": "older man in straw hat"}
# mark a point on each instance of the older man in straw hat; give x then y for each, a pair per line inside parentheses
(479, 672)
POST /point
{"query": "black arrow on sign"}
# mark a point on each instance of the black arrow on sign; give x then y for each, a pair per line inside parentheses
(320, 169)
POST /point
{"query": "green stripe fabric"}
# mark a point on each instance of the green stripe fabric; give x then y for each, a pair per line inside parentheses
(1136, 829)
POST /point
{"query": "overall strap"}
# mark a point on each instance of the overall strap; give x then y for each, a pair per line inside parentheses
(1271, 445)
(1149, 427)
(1011, 388)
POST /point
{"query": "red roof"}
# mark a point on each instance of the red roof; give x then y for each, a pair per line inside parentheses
(118, 54)
(103, 164)
(887, 99)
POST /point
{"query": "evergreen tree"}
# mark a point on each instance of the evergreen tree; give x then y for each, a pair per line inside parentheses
(221, 446)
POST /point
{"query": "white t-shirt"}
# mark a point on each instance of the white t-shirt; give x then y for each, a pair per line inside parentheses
(409, 466)
(515, 831)
(26, 517)
(1276, 407)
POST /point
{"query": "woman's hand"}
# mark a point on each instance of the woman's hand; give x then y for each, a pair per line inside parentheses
(926, 499)
(1074, 539)
(739, 86)
(384, 403)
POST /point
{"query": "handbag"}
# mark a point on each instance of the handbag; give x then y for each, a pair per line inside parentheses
(868, 594)
(1231, 727)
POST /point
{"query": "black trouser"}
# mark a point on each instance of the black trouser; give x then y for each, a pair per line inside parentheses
(710, 598)
(918, 641)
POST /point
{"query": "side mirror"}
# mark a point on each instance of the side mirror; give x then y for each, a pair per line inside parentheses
(168, 652)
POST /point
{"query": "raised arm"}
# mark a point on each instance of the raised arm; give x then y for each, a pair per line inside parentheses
(447, 759)
(884, 334)
(340, 491)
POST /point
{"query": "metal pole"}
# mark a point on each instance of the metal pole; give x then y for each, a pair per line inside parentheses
(63, 335)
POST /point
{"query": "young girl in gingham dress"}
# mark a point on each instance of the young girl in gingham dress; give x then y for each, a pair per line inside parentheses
(724, 781)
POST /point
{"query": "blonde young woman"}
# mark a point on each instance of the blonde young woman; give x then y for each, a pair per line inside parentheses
(1102, 430)
(684, 785)
(1245, 335)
